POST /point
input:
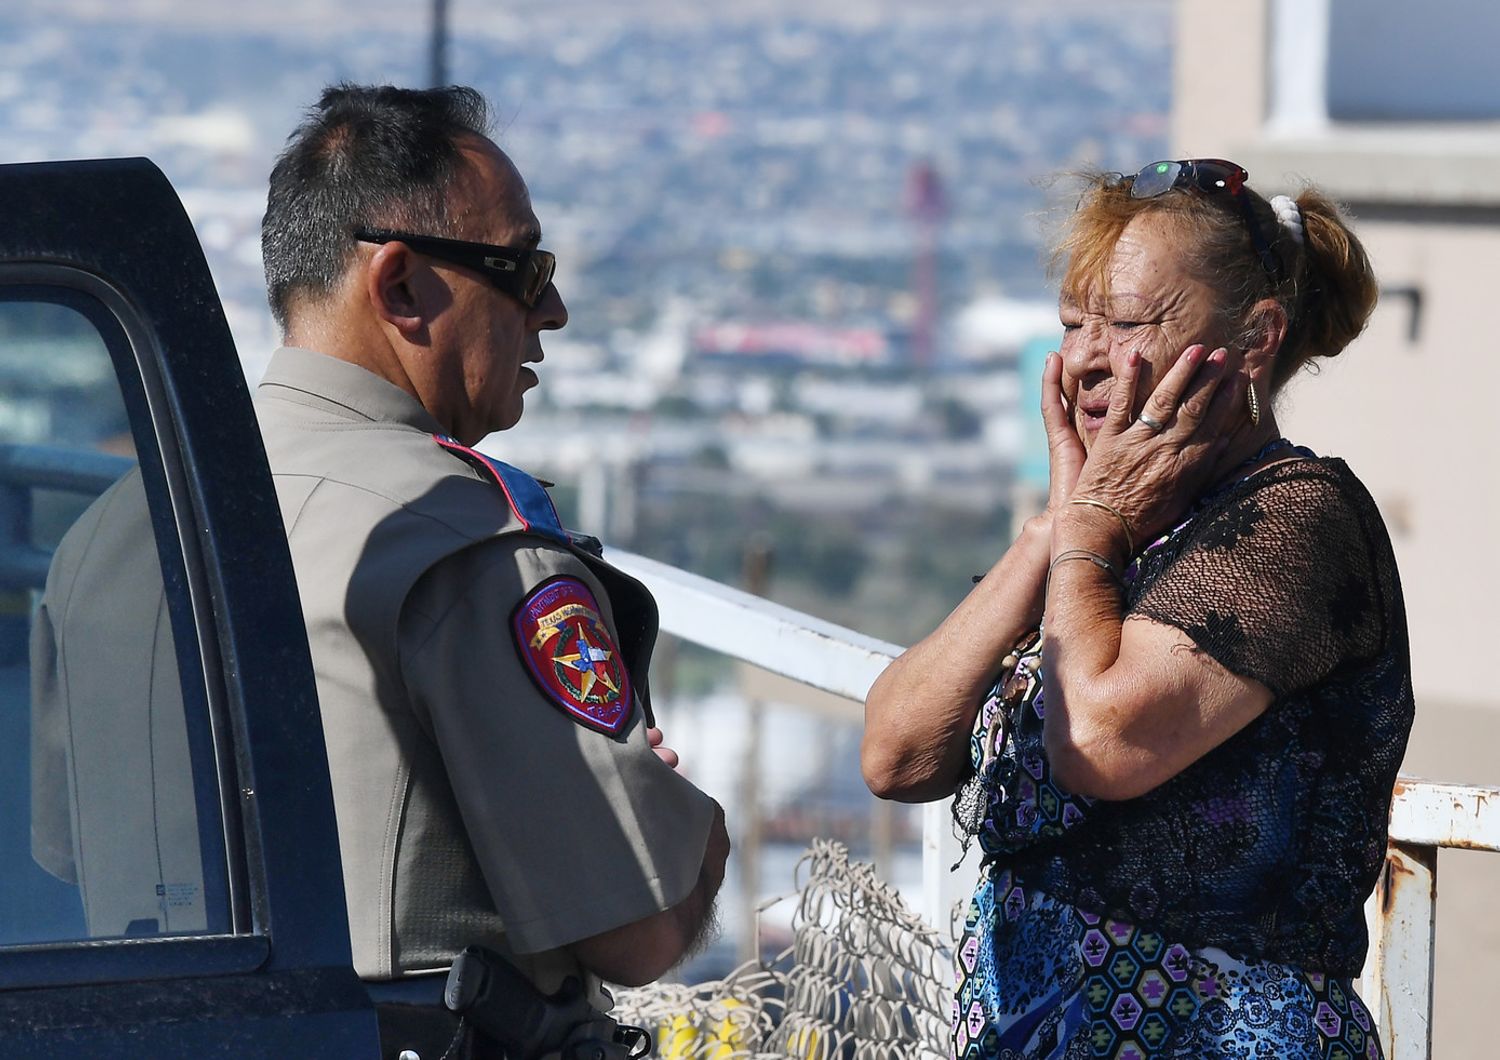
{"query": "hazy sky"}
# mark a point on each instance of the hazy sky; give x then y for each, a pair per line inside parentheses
(311, 14)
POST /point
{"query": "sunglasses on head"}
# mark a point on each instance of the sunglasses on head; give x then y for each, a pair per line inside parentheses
(521, 273)
(1210, 176)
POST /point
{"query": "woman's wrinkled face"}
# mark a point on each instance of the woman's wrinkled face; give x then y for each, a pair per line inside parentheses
(1154, 305)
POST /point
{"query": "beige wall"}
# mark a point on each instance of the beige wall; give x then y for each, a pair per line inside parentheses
(1218, 83)
(1415, 420)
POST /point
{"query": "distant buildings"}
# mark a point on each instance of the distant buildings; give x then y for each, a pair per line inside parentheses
(727, 200)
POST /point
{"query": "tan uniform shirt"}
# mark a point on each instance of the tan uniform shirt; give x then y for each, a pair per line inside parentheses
(472, 807)
(112, 803)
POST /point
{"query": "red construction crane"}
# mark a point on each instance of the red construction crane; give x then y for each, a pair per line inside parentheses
(927, 206)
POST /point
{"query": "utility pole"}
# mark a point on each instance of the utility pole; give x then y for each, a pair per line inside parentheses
(437, 69)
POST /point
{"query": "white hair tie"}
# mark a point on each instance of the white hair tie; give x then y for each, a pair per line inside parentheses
(1289, 215)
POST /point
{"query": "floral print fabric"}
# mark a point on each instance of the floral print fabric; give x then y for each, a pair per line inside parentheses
(1056, 983)
(1219, 915)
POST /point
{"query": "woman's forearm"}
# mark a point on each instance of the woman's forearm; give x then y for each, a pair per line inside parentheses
(920, 711)
(1085, 603)
(1085, 619)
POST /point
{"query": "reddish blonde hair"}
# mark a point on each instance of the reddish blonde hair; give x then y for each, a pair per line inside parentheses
(1326, 286)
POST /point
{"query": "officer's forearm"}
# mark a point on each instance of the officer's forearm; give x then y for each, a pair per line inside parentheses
(700, 920)
(641, 952)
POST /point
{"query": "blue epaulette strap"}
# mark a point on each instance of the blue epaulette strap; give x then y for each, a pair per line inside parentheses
(528, 499)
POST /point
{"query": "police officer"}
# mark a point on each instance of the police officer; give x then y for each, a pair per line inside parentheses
(482, 673)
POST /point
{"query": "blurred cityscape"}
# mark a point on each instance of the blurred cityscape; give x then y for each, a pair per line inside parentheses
(802, 252)
(803, 247)
(804, 255)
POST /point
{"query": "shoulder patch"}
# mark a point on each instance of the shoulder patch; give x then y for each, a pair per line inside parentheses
(571, 656)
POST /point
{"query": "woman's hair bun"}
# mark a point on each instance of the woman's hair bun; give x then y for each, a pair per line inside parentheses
(1336, 287)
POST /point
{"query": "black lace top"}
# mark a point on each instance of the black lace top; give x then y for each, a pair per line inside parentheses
(1268, 845)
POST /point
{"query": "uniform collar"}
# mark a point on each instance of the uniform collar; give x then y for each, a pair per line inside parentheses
(344, 388)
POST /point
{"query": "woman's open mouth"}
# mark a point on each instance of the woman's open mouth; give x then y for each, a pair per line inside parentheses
(1091, 416)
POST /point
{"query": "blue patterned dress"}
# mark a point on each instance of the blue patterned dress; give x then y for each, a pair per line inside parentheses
(1219, 915)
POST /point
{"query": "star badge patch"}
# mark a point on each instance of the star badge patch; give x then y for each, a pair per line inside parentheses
(571, 655)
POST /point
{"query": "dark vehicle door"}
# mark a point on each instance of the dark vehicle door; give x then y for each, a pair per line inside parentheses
(169, 875)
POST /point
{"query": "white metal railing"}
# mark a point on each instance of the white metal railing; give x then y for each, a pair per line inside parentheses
(1397, 981)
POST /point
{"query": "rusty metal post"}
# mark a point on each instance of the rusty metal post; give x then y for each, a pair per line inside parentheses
(757, 561)
(1401, 961)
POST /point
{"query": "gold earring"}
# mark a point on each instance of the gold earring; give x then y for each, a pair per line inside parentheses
(1254, 405)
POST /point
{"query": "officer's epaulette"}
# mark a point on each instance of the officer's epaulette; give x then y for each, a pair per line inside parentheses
(527, 497)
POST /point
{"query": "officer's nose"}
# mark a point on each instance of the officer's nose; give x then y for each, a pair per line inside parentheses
(549, 313)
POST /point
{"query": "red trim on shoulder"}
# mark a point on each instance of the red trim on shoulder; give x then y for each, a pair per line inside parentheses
(478, 461)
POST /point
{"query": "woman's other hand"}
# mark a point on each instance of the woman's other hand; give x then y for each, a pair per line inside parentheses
(919, 712)
(1065, 452)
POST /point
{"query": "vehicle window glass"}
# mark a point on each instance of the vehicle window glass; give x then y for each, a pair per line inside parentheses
(100, 831)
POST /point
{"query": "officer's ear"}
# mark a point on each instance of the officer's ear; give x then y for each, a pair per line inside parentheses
(392, 285)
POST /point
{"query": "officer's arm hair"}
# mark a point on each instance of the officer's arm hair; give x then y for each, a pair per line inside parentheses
(643, 951)
(710, 878)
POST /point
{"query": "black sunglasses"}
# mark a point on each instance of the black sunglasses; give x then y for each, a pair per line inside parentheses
(1210, 176)
(521, 273)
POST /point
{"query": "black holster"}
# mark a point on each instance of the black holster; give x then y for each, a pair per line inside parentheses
(503, 1006)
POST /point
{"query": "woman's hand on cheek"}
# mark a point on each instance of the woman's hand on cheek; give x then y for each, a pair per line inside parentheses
(1150, 468)
(1065, 452)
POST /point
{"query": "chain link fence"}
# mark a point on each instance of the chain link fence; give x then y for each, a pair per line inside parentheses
(864, 979)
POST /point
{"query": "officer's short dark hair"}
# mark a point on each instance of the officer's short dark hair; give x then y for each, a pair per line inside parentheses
(364, 155)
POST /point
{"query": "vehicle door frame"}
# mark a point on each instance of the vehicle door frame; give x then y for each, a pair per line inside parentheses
(113, 235)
